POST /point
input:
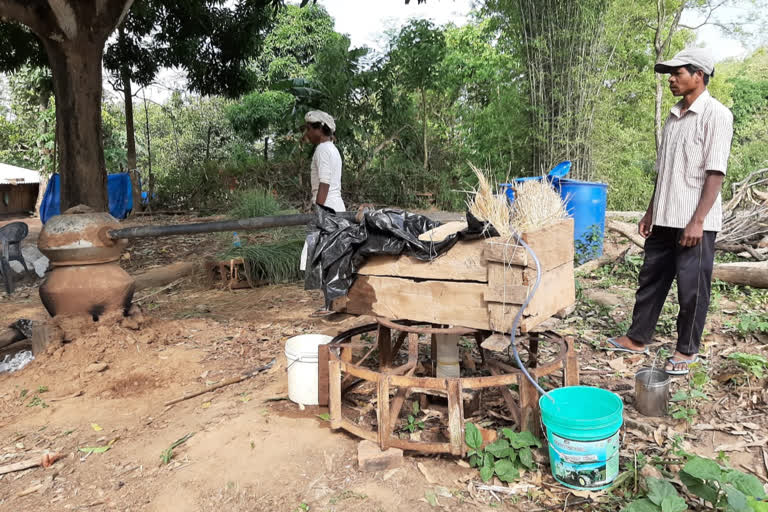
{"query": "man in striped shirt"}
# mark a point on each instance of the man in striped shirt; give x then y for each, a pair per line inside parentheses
(685, 212)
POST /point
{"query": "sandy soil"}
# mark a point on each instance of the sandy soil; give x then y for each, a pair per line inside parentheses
(251, 449)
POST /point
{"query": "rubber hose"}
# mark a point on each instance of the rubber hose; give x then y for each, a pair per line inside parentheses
(519, 315)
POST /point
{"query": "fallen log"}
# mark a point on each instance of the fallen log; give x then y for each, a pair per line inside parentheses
(628, 230)
(753, 274)
(593, 265)
(162, 276)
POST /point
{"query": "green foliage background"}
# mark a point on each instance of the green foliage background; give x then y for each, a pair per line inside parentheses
(409, 118)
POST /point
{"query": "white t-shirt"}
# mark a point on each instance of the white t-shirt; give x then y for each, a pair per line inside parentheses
(326, 168)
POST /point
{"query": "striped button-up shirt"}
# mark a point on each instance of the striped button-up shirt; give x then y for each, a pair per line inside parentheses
(691, 144)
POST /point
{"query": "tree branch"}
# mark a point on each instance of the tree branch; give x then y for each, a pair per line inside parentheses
(21, 12)
(111, 14)
(65, 17)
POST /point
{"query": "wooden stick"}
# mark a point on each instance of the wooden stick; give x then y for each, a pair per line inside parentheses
(45, 461)
(758, 475)
(59, 399)
(227, 382)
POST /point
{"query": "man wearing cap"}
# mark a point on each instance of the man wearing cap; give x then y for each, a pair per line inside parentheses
(325, 175)
(685, 212)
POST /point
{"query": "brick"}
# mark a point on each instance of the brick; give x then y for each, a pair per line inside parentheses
(371, 458)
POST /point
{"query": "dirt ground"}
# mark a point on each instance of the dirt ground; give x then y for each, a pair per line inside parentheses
(252, 449)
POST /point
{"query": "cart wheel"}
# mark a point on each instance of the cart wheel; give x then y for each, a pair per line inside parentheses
(583, 481)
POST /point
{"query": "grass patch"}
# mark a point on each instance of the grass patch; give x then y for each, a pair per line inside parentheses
(254, 203)
(274, 262)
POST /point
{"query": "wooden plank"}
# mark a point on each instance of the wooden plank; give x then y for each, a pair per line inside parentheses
(438, 302)
(529, 407)
(553, 245)
(462, 262)
(501, 316)
(455, 417)
(384, 339)
(383, 409)
(510, 253)
(323, 357)
(334, 392)
(500, 274)
(556, 291)
(571, 369)
(507, 294)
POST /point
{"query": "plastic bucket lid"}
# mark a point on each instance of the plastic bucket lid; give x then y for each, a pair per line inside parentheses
(582, 413)
(303, 348)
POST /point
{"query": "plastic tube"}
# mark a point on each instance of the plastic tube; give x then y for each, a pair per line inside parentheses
(519, 315)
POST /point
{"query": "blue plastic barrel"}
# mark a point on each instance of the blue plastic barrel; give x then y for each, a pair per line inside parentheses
(586, 202)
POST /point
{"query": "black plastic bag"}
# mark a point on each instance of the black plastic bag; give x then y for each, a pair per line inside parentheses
(337, 248)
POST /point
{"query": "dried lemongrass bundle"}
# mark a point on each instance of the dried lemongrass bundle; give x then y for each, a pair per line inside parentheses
(488, 206)
(537, 205)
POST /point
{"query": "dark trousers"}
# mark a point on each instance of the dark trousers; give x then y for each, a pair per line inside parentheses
(666, 260)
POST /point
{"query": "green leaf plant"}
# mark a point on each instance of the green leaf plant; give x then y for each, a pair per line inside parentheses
(505, 457)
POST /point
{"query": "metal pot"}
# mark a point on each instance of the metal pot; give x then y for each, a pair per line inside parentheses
(79, 237)
(652, 391)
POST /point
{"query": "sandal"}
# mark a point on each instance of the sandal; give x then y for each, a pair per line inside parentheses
(616, 347)
(677, 362)
(321, 313)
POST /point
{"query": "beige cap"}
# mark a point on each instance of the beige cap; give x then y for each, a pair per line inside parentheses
(318, 116)
(699, 57)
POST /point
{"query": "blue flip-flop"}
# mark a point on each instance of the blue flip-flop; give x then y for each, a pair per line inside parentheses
(686, 362)
(616, 347)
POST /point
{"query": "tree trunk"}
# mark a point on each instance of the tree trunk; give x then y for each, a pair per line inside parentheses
(424, 120)
(76, 69)
(151, 178)
(130, 134)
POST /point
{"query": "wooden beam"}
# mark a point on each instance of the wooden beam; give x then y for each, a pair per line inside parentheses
(323, 356)
(438, 302)
(553, 245)
(462, 262)
(456, 417)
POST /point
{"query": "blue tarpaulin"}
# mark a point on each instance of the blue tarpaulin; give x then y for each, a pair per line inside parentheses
(118, 189)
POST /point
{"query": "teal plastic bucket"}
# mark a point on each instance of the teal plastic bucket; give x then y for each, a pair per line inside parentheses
(582, 427)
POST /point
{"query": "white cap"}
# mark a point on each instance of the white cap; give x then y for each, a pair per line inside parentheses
(318, 116)
(699, 57)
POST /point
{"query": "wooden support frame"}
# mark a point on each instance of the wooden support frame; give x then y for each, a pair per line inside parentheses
(341, 369)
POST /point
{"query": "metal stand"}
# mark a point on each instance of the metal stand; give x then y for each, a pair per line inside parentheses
(338, 374)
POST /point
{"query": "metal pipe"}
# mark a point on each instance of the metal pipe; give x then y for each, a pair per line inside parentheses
(275, 221)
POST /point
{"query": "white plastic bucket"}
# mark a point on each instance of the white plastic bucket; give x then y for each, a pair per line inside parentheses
(301, 353)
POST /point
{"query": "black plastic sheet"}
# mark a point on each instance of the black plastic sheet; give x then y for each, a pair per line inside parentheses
(337, 248)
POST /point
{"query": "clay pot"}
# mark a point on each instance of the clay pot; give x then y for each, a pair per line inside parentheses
(79, 237)
(87, 289)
